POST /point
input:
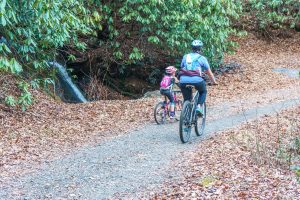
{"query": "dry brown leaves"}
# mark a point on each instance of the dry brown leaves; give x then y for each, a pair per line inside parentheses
(256, 77)
(255, 84)
(51, 127)
(242, 163)
(7, 85)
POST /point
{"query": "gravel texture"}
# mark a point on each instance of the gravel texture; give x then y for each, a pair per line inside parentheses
(125, 164)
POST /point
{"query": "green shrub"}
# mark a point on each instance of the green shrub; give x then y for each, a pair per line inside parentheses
(127, 32)
(273, 14)
(165, 29)
(33, 30)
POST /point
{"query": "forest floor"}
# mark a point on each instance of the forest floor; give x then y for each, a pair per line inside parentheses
(257, 160)
(228, 164)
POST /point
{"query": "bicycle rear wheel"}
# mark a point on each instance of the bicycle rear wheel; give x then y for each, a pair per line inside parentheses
(200, 122)
(185, 125)
(159, 113)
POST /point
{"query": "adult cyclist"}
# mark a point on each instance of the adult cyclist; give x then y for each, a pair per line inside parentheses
(191, 69)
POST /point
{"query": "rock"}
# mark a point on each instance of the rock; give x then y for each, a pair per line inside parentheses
(149, 94)
(136, 85)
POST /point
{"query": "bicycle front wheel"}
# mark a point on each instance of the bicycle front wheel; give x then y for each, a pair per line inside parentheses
(160, 113)
(185, 125)
(200, 122)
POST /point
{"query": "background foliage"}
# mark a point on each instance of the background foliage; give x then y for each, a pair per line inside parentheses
(123, 33)
(161, 29)
(33, 31)
(269, 15)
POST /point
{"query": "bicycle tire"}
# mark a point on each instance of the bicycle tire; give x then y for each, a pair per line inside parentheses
(178, 109)
(159, 113)
(184, 122)
(200, 123)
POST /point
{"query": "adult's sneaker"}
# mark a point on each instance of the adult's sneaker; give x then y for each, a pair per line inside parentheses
(199, 111)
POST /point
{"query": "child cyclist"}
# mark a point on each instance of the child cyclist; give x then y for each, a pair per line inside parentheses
(166, 86)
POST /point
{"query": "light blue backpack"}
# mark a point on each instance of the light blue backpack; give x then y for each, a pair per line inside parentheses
(191, 61)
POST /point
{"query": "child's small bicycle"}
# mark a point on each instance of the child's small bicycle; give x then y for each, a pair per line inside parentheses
(162, 109)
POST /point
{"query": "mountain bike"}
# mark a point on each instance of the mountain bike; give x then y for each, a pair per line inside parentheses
(190, 119)
(162, 109)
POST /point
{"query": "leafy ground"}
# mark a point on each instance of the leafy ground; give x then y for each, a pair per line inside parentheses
(253, 161)
(50, 129)
(256, 77)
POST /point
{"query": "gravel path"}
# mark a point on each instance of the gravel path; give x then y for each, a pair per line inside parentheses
(126, 164)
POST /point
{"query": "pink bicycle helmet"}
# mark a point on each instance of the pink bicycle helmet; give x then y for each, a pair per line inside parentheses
(170, 69)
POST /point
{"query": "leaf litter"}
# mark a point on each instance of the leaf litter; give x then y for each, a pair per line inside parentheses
(240, 163)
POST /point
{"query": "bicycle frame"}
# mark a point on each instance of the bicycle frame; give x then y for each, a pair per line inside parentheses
(193, 113)
(167, 102)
